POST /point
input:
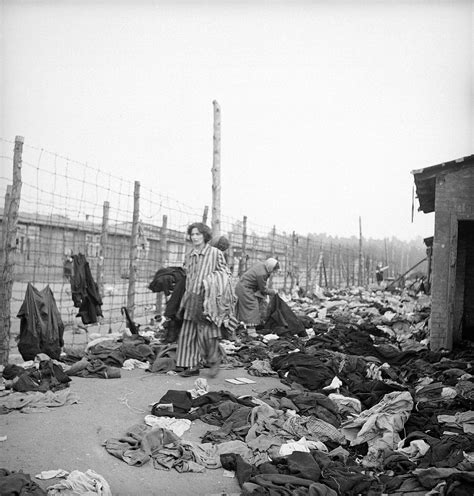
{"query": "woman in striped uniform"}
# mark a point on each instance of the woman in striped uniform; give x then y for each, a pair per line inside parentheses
(199, 338)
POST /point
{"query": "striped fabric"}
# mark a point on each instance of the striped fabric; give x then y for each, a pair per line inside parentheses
(219, 298)
(313, 429)
(196, 343)
(198, 265)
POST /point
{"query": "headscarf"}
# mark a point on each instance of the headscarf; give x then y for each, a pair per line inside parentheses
(270, 264)
(220, 242)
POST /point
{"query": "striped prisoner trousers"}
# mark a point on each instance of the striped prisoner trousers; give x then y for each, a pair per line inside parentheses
(197, 342)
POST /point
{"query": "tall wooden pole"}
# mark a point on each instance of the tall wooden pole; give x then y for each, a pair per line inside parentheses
(216, 172)
(103, 247)
(10, 221)
(133, 269)
(205, 214)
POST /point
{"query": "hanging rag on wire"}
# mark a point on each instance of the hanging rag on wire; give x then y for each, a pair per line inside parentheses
(85, 292)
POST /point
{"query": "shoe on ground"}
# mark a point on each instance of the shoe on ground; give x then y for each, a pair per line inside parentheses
(189, 372)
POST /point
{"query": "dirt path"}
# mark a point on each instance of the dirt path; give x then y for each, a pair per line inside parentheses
(70, 437)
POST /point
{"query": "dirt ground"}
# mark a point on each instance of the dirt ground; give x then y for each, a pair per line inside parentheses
(71, 437)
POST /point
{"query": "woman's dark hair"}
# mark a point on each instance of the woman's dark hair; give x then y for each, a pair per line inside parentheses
(202, 228)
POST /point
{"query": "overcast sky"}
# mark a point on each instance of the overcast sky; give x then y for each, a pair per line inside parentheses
(327, 106)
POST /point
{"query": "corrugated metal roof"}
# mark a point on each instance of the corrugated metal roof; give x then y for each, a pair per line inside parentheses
(425, 180)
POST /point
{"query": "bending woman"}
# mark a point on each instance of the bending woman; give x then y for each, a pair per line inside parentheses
(199, 337)
(252, 289)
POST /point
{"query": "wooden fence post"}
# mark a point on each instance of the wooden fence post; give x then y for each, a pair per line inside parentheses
(292, 263)
(133, 268)
(273, 248)
(348, 270)
(285, 278)
(308, 264)
(339, 267)
(354, 265)
(10, 221)
(103, 247)
(392, 264)
(320, 264)
(243, 258)
(163, 259)
(205, 214)
(254, 249)
(325, 275)
(331, 266)
(368, 270)
(6, 208)
(216, 172)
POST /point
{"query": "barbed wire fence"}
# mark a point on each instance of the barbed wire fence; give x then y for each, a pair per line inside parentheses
(127, 232)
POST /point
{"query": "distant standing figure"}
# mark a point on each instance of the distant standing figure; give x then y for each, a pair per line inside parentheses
(379, 273)
(67, 267)
(199, 338)
(379, 276)
(252, 289)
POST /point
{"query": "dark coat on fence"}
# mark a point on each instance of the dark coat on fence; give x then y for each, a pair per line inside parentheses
(41, 326)
(85, 292)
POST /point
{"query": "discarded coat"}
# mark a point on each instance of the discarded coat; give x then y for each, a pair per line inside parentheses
(85, 292)
(41, 327)
(281, 319)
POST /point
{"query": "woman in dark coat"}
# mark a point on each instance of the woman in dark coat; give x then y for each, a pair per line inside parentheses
(252, 289)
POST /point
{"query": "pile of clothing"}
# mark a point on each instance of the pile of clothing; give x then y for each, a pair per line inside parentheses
(365, 407)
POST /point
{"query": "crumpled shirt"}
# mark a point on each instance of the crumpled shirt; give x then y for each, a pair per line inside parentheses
(383, 421)
(88, 483)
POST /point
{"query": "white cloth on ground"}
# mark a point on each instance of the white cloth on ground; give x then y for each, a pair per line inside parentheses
(88, 483)
(177, 426)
